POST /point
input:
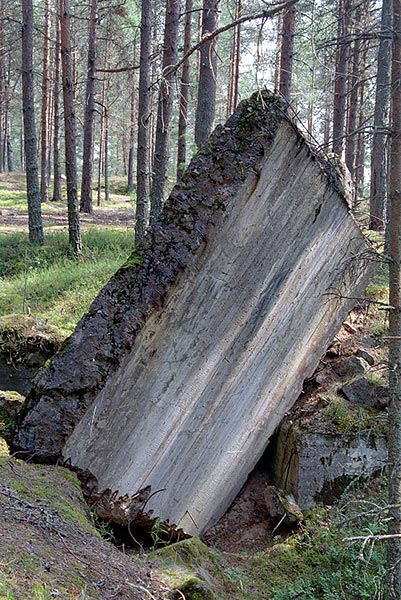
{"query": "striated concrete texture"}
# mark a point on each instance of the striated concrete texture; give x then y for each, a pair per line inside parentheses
(186, 364)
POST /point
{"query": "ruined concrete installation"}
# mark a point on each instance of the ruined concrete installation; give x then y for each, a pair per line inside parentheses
(172, 384)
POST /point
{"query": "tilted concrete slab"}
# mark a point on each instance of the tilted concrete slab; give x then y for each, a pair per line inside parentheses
(189, 407)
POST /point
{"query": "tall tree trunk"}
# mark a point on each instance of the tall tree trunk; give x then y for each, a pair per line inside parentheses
(8, 150)
(87, 164)
(237, 57)
(184, 93)
(206, 105)
(287, 52)
(2, 86)
(69, 131)
(351, 138)
(101, 153)
(130, 167)
(10, 153)
(57, 195)
(44, 167)
(277, 57)
(394, 409)
(31, 158)
(106, 156)
(143, 166)
(378, 181)
(340, 80)
(360, 146)
(164, 110)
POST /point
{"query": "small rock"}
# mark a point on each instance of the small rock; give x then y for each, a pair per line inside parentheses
(361, 353)
(349, 328)
(351, 367)
(334, 351)
(364, 392)
(280, 503)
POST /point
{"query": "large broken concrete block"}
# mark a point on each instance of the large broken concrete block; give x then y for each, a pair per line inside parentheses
(186, 363)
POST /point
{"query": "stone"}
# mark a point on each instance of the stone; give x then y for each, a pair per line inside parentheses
(11, 403)
(362, 353)
(351, 367)
(316, 464)
(25, 345)
(366, 393)
(281, 503)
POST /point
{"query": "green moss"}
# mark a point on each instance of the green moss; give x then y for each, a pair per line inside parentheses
(134, 259)
(316, 564)
(192, 568)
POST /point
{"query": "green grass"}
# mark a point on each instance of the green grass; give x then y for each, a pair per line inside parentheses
(52, 285)
(318, 563)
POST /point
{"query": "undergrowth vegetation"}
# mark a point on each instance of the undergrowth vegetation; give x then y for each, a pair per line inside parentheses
(320, 562)
(46, 281)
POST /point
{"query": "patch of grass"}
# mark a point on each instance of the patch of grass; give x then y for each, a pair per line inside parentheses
(317, 563)
(50, 284)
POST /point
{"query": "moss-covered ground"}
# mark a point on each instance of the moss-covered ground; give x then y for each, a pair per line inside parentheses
(49, 546)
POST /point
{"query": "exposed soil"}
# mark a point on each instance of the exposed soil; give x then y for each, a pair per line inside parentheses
(55, 216)
(49, 545)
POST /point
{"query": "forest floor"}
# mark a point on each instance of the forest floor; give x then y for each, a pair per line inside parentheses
(49, 545)
(118, 212)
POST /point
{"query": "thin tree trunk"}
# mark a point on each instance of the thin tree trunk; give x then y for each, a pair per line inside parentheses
(351, 138)
(2, 96)
(277, 59)
(206, 105)
(130, 173)
(21, 147)
(184, 93)
(237, 57)
(131, 153)
(31, 158)
(106, 157)
(44, 168)
(394, 409)
(340, 81)
(70, 131)
(378, 182)
(10, 153)
(57, 194)
(360, 148)
(87, 158)
(165, 110)
(101, 147)
(287, 52)
(143, 166)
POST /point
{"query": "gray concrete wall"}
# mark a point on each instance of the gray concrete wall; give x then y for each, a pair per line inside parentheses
(191, 408)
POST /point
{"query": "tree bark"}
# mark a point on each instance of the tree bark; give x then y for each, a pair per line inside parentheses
(340, 81)
(2, 86)
(130, 169)
(69, 131)
(184, 92)
(44, 167)
(10, 153)
(143, 165)
(287, 52)
(206, 105)
(360, 146)
(57, 195)
(86, 204)
(378, 180)
(351, 138)
(30, 140)
(394, 410)
(164, 110)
